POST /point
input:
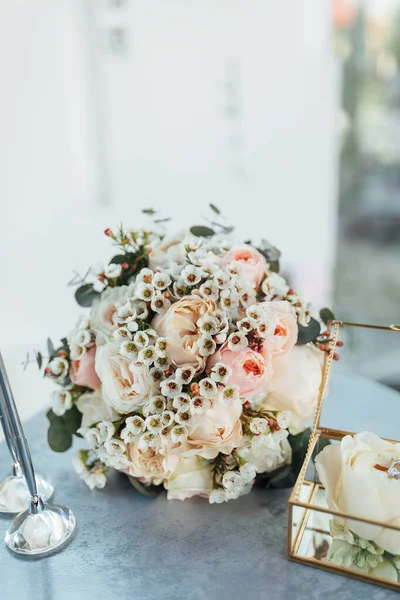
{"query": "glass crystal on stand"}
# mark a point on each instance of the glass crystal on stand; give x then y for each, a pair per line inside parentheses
(14, 493)
(43, 527)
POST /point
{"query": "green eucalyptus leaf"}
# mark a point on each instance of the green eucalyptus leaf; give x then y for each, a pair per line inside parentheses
(73, 419)
(148, 211)
(128, 257)
(58, 436)
(274, 266)
(51, 415)
(215, 209)
(158, 221)
(50, 347)
(202, 231)
(39, 359)
(326, 315)
(150, 491)
(85, 294)
(309, 333)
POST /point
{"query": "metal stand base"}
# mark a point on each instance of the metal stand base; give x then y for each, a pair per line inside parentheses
(41, 529)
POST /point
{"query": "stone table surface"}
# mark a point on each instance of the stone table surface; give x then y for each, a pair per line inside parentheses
(130, 547)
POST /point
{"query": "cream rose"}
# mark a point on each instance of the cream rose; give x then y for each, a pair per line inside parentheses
(295, 385)
(179, 325)
(355, 485)
(169, 251)
(104, 311)
(218, 430)
(247, 262)
(282, 321)
(122, 389)
(147, 465)
(94, 409)
(192, 477)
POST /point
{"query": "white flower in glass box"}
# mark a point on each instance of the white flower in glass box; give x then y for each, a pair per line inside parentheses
(358, 481)
(179, 375)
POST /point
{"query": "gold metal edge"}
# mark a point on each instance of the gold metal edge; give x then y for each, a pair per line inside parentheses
(312, 562)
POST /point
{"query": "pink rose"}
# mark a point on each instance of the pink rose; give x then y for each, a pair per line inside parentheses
(251, 371)
(247, 262)
(82, 372)
(282, 320)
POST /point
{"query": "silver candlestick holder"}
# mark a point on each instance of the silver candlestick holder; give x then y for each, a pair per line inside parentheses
(43, 527)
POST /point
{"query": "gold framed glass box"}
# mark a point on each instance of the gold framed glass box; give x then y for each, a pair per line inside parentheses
(344, 510)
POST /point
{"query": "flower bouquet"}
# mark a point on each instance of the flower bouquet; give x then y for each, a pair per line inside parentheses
(197, 367)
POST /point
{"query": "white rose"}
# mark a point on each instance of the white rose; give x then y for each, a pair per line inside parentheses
(104, 310)
(170, 250)
(267, 452)
(122, 389)
(295, 385)
(192, 477)
(354, 485)
(94, 409)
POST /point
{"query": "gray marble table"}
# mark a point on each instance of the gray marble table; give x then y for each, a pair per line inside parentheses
(130, 547)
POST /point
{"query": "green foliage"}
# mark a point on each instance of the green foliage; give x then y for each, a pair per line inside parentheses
(85, 294)
(202, 231)
(61, 429)
(309, 333)
(271, 255)
(50, 348)
(299, 444)
(73, 419)
(58, 435)
(215, 209)
(326, 315)
(149, 211)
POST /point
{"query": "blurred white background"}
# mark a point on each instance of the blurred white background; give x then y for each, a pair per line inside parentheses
(111, 107)
(283, 114)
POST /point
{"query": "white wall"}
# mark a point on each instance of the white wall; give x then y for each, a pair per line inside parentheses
(89, 137)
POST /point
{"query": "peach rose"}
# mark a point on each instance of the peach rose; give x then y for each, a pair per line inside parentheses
(147, 465)
(218, 430)
(251, 371)
(83, 372)
(283, 323)
(179, 325)
(247, 262)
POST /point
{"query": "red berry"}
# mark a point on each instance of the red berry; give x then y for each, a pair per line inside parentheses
(336, 356)
(339, 343)
(125, 265)
(108, 232)
(323, 347)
